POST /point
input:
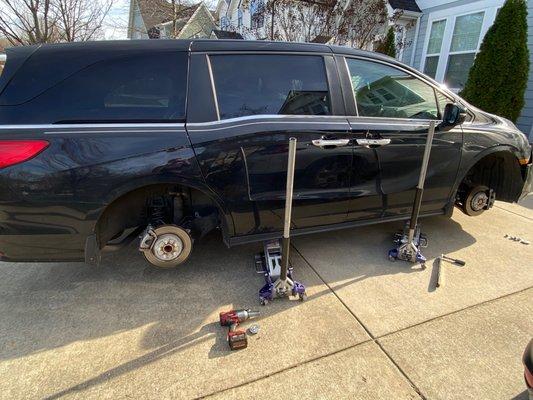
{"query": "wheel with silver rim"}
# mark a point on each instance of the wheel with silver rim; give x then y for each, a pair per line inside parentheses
(476, 201)
(171, 247)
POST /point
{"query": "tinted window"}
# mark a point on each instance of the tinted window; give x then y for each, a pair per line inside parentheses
(270, 84)
(151, 87)
(383, 91)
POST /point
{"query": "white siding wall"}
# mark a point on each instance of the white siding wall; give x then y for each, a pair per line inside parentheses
(138, 28)
(525, 122)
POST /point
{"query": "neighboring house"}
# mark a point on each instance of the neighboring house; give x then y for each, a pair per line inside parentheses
(154, 19)
(445, 39)
(2, 61)
(242, 16)
(3, 44)
(245, 17)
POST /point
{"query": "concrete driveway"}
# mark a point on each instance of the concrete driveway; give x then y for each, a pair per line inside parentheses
(370, 329)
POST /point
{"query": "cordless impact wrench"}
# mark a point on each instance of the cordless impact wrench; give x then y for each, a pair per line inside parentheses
(236, 338)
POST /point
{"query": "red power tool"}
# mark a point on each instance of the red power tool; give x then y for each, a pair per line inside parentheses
(236, 338)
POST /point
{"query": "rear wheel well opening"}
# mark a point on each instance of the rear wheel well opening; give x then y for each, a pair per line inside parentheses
(157, 205)
(499, 172)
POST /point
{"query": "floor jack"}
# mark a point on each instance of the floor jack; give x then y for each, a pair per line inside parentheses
(274, 262)
(411, 240)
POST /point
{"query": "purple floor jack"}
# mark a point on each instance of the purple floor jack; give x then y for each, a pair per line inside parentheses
(274, 261)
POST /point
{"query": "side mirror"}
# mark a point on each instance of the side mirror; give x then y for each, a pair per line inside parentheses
(453, 115)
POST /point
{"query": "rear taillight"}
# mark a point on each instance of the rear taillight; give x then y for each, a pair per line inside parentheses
(17, 151)
(528, 375)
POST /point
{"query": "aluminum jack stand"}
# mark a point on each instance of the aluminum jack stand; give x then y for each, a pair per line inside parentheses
(274, 263)
(411, 240)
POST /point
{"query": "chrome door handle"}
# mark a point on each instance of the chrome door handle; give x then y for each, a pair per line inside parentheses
(331, 142)
(372, 142)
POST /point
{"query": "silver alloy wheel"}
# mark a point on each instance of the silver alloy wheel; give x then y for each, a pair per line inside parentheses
(172, 247)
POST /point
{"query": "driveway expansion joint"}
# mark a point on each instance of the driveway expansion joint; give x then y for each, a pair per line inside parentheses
(373, 338)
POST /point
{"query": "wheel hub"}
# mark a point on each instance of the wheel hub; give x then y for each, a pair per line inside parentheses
(479, 201)
(168, 247)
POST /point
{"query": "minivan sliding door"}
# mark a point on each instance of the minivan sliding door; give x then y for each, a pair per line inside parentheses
(262, 100)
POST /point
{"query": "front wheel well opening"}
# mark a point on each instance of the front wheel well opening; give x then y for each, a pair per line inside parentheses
(157, 205)
(500, 172)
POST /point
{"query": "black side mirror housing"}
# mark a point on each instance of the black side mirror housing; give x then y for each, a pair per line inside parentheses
(453, 115)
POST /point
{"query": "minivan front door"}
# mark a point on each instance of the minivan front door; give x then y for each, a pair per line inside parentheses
(394, 110)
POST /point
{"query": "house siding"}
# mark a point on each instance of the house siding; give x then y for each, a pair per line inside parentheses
(525, 122)
(200, 26)
(410, 42)
(138, 30)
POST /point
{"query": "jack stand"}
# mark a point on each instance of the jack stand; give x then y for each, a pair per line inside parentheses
(275, 263)
(411, 240)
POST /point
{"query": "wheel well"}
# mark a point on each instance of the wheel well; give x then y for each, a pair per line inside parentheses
(498, 171)
(175, 204)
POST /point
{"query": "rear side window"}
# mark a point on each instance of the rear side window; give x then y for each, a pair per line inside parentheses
(270, 84)
(147, 88)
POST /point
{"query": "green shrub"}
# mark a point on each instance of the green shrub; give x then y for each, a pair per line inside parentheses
(498, 79)
(388, 44)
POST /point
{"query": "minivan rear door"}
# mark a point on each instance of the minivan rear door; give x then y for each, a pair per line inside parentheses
(241, 139)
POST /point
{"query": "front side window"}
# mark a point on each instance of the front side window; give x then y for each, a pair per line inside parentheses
(463, 48)
(384, 91)
(270, 84)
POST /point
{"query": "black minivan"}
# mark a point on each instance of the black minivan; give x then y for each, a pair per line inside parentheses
(167, 140)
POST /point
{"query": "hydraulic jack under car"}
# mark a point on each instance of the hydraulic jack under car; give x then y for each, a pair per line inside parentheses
(274, 261)
(411, 240)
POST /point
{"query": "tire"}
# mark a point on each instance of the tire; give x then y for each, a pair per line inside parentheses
(173, 243)
(476, 201)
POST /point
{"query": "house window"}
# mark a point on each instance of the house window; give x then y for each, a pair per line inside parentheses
(239, 18)
(453, 37)
(434, 47)
(224, 23)
(257, 14)
(463, 48)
